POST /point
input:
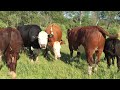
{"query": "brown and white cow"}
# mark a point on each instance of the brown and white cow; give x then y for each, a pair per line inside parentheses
(92, 38)
(54, 40)
(10, 46)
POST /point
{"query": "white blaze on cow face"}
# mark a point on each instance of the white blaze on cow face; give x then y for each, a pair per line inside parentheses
(43, 39)
(56, 49)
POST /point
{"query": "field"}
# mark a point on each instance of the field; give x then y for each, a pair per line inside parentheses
(59, 69)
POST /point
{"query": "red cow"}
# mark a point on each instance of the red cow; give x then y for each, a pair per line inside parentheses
(54, 40)
(10, 46)
(92, 38)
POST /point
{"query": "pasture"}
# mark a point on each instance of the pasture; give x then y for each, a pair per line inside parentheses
(59, 69)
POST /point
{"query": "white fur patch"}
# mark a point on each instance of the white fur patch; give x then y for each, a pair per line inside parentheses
(32, 48)
(56, 49)
(43, 38)
(89, 70)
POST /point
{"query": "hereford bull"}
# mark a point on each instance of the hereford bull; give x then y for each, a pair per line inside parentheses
(111, 50)
(10, 45)
(54, 40)
(92, 38)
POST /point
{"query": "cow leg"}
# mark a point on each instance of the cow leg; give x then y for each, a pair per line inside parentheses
(36, 53)
(118, 63)
(0, 59)
(46, 53)
(31, 55)
(11, 63)
(98, 54)
(89, 55)
(78, 56)
(108, 61)
(0, 55)
(14, 64)
(71, 55)
(113, 61)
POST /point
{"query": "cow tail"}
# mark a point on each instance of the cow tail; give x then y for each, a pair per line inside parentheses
(113, 36)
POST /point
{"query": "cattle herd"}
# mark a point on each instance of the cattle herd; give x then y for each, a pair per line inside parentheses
(92, 38)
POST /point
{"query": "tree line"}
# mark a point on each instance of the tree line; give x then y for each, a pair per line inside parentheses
(109, 20)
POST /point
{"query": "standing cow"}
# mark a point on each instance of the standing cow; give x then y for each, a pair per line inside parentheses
(111, 50)
(92, 38)
(10, 45)
(54, 40)
(34, 39)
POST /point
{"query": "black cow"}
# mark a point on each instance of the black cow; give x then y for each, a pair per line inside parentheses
(29, 35)
(112, 50)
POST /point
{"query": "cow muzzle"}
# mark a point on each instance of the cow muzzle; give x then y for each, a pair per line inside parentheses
(43, 46)
(58, 56)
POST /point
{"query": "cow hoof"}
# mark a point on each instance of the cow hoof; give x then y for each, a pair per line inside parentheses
(89, 70)
(32, 61)
(13, 74)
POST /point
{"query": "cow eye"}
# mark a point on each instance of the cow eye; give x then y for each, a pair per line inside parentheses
(50, 35)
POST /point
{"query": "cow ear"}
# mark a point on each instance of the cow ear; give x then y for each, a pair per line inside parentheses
(50, 35)
(62, 42)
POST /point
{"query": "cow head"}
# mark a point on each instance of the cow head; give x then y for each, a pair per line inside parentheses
(56, 49)
(43, 39)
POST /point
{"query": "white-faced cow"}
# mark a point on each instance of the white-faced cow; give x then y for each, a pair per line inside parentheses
(54, 40)
(33, 37)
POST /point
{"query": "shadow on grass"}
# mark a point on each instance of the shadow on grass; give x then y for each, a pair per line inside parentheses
(3, 62)
(66, 58)
(81, 64)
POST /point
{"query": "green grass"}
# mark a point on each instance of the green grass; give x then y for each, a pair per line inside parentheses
(58, 69)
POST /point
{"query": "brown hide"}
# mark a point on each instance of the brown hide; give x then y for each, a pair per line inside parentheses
(11, 45)
(92, 38)
(57, 33)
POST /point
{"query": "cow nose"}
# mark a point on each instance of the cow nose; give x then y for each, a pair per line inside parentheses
(43, 46)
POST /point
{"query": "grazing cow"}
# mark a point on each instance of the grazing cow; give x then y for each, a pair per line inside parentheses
(54, 40)
(31, 35)
(92, 38)
(111, 50)
(10, 45)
